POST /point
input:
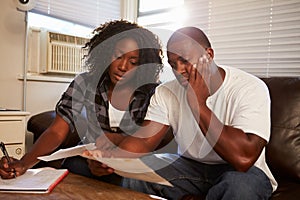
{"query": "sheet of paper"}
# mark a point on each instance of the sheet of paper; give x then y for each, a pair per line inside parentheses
(132, 168)
(40, 180)
(69, 152)
(126, 167)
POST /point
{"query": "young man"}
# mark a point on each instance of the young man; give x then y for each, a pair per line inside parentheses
(220, 118)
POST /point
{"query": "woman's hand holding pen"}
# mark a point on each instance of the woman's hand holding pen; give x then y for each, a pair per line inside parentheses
(11, 169)
(6, 170)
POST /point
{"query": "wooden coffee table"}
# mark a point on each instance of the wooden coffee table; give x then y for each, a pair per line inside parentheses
(74, 187)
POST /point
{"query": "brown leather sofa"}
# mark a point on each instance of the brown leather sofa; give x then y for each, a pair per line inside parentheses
(38, 123)
(283, 150)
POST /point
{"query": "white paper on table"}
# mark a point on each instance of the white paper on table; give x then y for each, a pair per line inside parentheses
(40, 180)
(126, 167)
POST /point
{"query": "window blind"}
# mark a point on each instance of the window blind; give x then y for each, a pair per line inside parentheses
(90, 13)
(258, 36)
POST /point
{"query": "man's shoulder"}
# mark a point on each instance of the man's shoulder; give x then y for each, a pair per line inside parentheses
(168, 90)
(239, 74)
(240, 80)
(169, 85)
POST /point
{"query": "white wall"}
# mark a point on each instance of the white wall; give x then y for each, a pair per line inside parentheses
(12, 34)
(40, 96)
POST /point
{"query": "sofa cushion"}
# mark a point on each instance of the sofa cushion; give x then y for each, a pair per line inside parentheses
(283, 150)
(287, 190)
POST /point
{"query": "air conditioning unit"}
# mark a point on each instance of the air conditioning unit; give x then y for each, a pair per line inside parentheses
(51, 52)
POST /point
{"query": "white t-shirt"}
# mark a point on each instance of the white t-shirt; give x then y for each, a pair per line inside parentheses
(115, 116)
(242, 101)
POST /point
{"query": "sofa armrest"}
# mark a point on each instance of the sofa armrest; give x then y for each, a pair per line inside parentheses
(38, 123)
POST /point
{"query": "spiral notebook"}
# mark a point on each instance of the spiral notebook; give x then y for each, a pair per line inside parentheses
(41, 180)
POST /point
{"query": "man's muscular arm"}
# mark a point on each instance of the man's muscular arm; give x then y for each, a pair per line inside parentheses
(238, 148)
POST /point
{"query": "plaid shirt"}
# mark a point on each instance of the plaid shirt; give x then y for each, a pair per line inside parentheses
(84, 106)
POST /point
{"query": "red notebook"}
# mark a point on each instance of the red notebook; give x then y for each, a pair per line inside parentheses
(41, 180)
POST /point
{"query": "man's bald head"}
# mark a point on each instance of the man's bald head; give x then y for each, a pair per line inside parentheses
(189, 33)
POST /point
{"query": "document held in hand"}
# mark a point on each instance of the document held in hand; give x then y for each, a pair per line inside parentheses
(41, 180)
(126, 167)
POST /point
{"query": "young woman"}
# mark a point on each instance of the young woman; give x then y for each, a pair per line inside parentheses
(124, 62)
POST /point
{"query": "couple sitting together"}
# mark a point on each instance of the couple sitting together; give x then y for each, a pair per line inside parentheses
(210, 110)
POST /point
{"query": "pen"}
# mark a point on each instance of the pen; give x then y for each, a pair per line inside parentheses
(4, 151)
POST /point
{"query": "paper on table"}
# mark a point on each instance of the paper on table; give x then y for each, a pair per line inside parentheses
(41, 180)
(126, 167)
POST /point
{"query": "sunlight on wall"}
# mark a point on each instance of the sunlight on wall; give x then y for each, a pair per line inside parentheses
(57, 25)
(146, 5)
(170, 14)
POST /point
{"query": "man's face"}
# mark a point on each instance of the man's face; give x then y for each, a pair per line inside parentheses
(182, 55)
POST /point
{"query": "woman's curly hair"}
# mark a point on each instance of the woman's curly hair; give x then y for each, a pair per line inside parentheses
(102, 44)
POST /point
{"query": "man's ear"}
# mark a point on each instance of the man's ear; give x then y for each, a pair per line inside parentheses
(210, 53)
